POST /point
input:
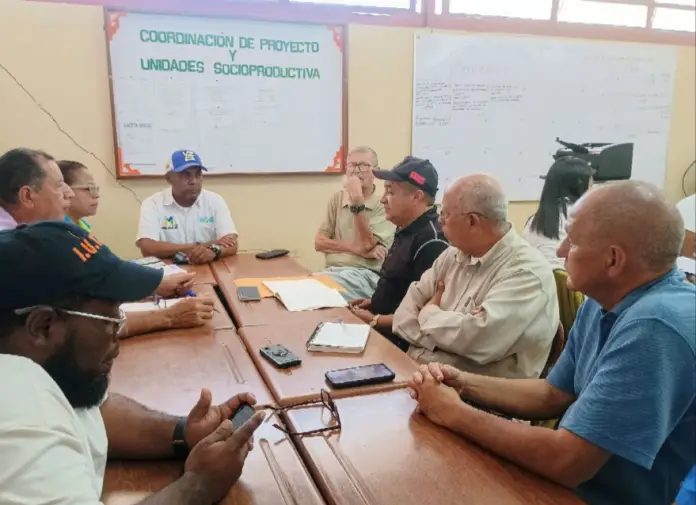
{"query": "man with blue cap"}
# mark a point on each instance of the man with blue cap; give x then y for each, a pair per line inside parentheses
(185, 218)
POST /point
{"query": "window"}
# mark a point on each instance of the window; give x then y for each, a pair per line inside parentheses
(603, 13)
(528, 9)
(674, 19)
(380, 4)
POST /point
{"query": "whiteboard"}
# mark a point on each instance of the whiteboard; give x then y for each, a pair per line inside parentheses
(249, 97)
(496, 104)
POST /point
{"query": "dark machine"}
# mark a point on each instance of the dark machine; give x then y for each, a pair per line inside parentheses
(611, 162)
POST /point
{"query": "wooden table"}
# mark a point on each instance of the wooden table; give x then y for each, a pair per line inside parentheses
(243, 266)
(167, 370)
(305, 381)
(385, 454)
(270, 311)
(204, 273)
(273, 475)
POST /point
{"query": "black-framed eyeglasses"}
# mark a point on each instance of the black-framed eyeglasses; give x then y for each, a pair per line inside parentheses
(114, 325)
(359, 167)
(325, 401)
(91, 187)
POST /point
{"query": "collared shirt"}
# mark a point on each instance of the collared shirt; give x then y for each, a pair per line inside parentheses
(81, 223)
(633, 371)
(7, 222)
(415, 249)
(339, 224)
(498, 316)
(51, 453)
(164, 220)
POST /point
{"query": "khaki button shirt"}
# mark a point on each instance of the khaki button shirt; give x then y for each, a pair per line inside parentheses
(498, 315)
(339, 224)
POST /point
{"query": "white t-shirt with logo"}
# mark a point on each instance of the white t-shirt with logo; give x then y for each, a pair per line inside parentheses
(49, 452)
(164, 220)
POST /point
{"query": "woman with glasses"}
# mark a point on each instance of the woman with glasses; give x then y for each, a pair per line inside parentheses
(566, 181)
(85, 200)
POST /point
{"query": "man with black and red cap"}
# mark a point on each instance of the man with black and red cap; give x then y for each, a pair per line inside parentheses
(59, 327)
(409, 198)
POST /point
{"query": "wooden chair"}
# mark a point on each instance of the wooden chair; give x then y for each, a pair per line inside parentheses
(568, 301)
(557, 346)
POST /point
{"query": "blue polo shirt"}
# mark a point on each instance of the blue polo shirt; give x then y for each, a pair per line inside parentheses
(633, 371)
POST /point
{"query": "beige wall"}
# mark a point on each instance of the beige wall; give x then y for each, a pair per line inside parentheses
(57, 52)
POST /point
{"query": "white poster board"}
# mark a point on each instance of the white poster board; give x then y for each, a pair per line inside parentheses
(496, 104)
(249, 97)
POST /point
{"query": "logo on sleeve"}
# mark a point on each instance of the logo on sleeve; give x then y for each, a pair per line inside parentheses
(169, 223)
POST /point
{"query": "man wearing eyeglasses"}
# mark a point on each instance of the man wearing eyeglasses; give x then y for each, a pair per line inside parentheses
(355, 234)
(59, 325)
(488, 304)
(33, 188)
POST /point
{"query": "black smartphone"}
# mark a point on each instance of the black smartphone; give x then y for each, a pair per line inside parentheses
(275, 253)
(280, 356)
(180, 259)
(360, 376)
(248, 294)
(240, 416)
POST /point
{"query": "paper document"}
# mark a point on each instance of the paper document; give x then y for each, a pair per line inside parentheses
(339, 337)
(687, 265)
(306, 294)
(146, 306)
(153, 262)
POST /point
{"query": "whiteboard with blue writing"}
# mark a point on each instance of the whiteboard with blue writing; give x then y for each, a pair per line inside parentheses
(249, 97)
(495, 104)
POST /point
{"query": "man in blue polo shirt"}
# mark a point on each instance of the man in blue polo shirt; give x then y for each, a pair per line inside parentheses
(625, 384)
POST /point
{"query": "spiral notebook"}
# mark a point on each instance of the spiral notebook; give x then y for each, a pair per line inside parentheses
(339, 337)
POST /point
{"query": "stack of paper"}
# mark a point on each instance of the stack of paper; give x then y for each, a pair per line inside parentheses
(306, 294)
(146, 306)
(686, 265)
(339, 337)
(153, 262)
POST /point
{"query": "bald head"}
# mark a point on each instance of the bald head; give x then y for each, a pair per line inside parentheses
(482, 194)
(637, 216)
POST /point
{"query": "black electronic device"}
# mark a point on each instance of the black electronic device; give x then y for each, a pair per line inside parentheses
(280, 356)
(248, 294)
(240, 417)
(180, 259)
(275, 253)
(611, 162)
(360, 376)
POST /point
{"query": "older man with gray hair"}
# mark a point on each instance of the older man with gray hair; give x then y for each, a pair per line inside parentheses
(488, 305)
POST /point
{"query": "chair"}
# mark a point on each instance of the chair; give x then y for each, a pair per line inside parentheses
(557, 346)
(568, 301)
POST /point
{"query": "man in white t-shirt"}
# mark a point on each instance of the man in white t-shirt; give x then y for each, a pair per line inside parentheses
(185, 217)
(59, 325)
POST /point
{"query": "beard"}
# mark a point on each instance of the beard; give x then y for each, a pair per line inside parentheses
(83, 390)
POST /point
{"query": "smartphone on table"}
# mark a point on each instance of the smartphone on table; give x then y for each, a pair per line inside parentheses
(360, 376)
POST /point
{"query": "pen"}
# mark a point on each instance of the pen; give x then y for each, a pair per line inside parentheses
(188, 292)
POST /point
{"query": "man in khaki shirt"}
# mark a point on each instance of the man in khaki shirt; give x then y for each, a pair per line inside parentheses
(488, 305)
(355, 234)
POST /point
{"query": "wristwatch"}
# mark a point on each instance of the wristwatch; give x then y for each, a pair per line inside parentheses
(357, 209)
(374, 321)
(216, 249)
(179, 445)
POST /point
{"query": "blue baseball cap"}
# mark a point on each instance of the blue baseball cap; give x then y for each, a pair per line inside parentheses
(50, 261)
(183, 159)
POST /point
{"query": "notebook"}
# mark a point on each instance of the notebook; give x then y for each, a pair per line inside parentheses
(147, 306)
(305, 294)
(339, 337)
